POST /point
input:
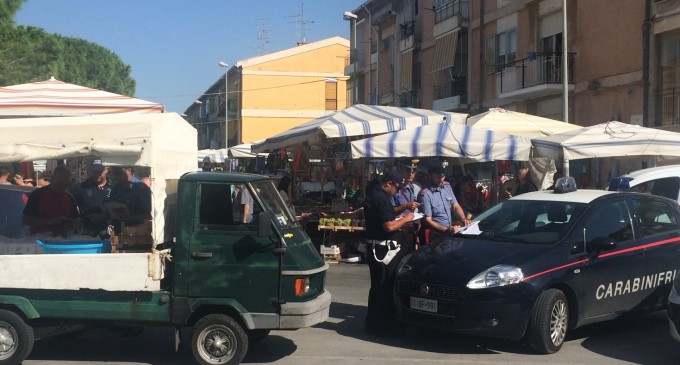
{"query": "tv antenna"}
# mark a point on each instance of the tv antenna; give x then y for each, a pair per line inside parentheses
(301, 25)
(263, 36)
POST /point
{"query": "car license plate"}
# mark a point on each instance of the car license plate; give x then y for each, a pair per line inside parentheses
(422, 304)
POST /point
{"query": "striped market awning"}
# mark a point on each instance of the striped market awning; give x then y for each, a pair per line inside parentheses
(445, 140)
(357, 120)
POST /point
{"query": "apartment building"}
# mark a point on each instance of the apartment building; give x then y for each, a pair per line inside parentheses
(622, 57)
(409, 53)
(272, 93)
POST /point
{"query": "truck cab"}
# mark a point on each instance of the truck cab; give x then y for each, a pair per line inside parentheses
(267, 265)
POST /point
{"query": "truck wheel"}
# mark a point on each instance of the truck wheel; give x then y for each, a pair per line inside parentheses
(548, 322)
(16, 338)
(257, 335)
(218, 339)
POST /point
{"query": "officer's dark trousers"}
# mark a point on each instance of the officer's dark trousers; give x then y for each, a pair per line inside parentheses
(381, 314)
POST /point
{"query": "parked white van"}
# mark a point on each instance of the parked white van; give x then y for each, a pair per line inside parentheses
(661, 180)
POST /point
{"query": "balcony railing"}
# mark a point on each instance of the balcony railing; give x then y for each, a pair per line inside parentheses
(452, 8)
(668, 106)
(457, 87)
(537, 69)
(410, 99)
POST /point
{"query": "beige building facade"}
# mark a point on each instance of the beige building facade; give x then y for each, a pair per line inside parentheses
(272, 93)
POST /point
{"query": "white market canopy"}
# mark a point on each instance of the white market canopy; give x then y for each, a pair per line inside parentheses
(165, 142)
(54, 98)
(445, 140)
(609, 139)
(357, 120)
(223, 154)
(520, 124)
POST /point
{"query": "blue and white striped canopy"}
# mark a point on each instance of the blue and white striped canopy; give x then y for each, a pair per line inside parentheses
(445, 140)
(357, 120)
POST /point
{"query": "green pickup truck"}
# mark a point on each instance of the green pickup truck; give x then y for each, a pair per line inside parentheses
(232, 282)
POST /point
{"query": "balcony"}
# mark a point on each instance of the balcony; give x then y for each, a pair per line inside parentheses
(668, 107)
(410, 99)
(451, 95)
(352, 62)
(451, 9)
(536, 76)
(455, 14)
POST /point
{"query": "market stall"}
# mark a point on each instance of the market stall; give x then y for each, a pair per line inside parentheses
(325, 175)
(610, 139)
(163, 142)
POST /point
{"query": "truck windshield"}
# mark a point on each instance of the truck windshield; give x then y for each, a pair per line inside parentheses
(273, 202)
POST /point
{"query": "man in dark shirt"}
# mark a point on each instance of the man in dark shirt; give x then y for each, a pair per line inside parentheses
(91, 196)
(136, 196)
(381, 231)
(51, 209)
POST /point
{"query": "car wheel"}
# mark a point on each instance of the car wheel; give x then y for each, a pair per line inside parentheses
(219, 339)
(16, 338)
(548, 322)
(257, 335)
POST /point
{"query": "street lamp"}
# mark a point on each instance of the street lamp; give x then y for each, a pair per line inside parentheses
(226, 103)
(348, 15)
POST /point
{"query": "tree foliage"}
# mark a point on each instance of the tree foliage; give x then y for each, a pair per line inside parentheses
(29, 54)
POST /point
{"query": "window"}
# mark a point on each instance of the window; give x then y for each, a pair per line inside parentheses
(668, 187)
(331, 95)
(215, 207)
(611, 221)
(501, 51)
(655, 217)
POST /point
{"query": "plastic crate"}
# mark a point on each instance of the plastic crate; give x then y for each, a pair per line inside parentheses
(74, 247)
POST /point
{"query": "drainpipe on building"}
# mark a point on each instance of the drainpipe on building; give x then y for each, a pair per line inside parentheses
(646, 31)
(482, 45)
(370, 42)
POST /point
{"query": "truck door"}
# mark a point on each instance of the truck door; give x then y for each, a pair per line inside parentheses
(608, 277)
(227, 258)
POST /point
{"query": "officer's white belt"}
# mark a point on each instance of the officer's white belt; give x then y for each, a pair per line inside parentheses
(380, 243)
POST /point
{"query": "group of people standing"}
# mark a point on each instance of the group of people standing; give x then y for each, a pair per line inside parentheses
(392, 225)
(63, 206)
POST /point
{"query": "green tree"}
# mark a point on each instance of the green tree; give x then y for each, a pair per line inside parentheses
(29, 54)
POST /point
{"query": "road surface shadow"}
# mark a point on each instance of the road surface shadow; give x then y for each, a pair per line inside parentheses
(349, 321)
(641, 340)
(153, 345)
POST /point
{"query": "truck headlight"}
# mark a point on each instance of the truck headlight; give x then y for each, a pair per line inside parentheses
(499, 275)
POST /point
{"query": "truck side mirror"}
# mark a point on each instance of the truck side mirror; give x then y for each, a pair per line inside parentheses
(264, 224)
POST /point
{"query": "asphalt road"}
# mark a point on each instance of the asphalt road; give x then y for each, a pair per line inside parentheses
(341, 340)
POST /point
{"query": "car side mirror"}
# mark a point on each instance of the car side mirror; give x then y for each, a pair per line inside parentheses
(264, 224)
(599, 244)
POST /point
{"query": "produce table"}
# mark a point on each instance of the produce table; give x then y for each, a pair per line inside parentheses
(345, 238)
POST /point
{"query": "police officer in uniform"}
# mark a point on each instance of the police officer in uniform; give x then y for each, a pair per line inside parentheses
(381, 231)
(439, 206)
(404, 201)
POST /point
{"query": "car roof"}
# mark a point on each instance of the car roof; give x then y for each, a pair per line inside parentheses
(578, 196)
(655, 172)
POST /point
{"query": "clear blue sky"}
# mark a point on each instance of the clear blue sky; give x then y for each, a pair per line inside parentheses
(174, 46)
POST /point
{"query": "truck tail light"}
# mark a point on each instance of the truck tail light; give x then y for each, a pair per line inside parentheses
(301, 286)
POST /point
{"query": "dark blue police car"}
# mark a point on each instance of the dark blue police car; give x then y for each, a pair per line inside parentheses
(542, 263)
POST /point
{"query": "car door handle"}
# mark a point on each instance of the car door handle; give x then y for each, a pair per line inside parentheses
(202, 255)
